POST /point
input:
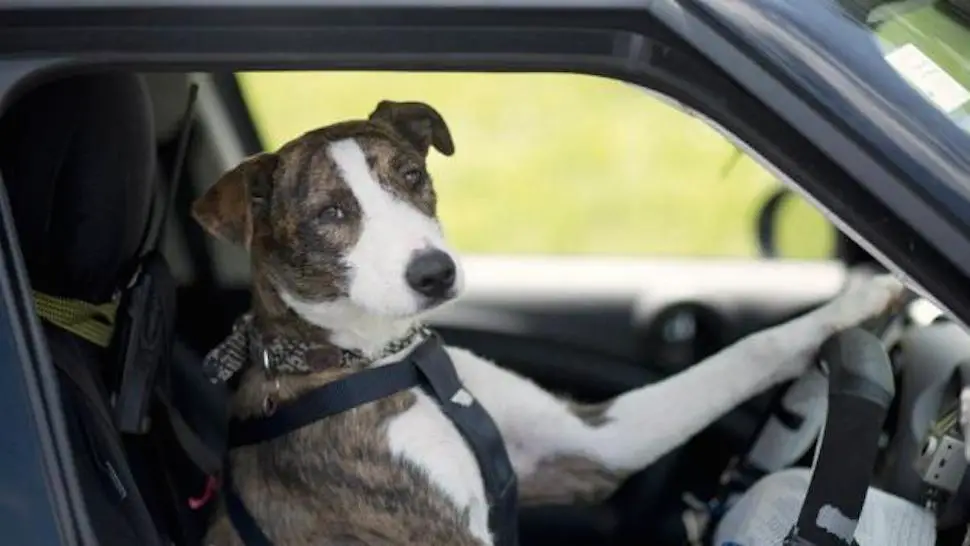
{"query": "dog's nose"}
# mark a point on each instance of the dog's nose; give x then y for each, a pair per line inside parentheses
(431, 273)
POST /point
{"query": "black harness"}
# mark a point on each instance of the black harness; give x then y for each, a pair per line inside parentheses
(428, 367)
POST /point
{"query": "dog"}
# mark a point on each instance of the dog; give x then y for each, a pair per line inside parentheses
(347, 256)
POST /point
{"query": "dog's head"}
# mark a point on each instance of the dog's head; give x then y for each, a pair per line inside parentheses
(344, 217)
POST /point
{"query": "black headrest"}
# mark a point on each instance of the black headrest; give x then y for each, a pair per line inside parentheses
(77, 158)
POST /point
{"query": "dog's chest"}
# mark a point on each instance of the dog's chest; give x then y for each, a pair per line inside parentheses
(425, 438)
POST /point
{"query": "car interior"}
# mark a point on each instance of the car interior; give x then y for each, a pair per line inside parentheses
(100, 169)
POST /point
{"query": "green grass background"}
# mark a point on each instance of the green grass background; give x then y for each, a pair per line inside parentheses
(557, 163)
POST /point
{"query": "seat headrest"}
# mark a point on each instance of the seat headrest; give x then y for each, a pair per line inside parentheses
(77, 156)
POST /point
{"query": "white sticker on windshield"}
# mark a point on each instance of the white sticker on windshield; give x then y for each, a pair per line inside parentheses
(925, 75)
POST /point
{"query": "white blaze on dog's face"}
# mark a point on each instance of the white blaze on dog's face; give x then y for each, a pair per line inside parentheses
(341, 222)
(400, 264)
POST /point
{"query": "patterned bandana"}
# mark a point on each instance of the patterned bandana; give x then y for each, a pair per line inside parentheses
(282, 355)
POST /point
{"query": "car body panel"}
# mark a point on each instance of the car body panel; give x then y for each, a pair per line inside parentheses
(895, 193)
(39, 501)
(905, 152)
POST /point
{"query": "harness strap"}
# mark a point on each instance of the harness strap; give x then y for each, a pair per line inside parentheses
(244, 523)
(480, 432)
(429, 367)
(326, 401)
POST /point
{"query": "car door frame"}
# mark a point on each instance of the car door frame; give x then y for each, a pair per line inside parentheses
(681, 49)
(876, 181)
(42, 501)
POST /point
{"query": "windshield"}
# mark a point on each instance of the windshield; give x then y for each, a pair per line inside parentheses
(889, 76)
(927, 42)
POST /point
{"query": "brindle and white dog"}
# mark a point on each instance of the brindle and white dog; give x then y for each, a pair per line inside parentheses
(347, 254)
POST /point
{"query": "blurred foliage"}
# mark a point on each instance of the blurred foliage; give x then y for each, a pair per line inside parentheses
(557, 163)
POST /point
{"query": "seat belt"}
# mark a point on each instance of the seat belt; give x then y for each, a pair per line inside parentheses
(144, 340)
(428, 367)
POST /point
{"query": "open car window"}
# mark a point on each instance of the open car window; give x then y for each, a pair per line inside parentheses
(559, 164)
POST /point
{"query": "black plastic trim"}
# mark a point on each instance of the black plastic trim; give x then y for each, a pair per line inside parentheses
(878, 201)
(230, 93)
(625, 44)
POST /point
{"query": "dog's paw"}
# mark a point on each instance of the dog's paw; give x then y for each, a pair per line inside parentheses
(866, 297)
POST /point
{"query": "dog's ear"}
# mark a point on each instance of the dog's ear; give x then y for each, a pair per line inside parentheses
(225, 209)
(418, 123)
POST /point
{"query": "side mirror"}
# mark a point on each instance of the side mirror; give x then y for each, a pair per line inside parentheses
(789, 227)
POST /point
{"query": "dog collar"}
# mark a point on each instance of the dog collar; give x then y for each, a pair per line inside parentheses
(416, 333)
(283, 355)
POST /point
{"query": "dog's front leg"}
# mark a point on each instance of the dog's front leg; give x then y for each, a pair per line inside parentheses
(564, 452)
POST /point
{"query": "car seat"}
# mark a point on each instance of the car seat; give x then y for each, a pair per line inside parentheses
(76, 157)
(78, 160)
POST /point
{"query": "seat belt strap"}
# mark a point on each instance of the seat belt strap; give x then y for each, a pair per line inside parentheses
(192, 443)
(242, 520)
(326, 401)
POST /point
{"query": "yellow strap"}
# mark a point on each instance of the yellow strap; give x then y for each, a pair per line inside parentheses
(95, 323)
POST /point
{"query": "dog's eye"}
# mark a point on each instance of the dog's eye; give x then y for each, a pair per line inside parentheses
(414, 177)
(332, 212)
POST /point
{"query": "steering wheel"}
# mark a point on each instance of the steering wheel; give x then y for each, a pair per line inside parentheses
(849, 393)
(797, 414)
(922, 469)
